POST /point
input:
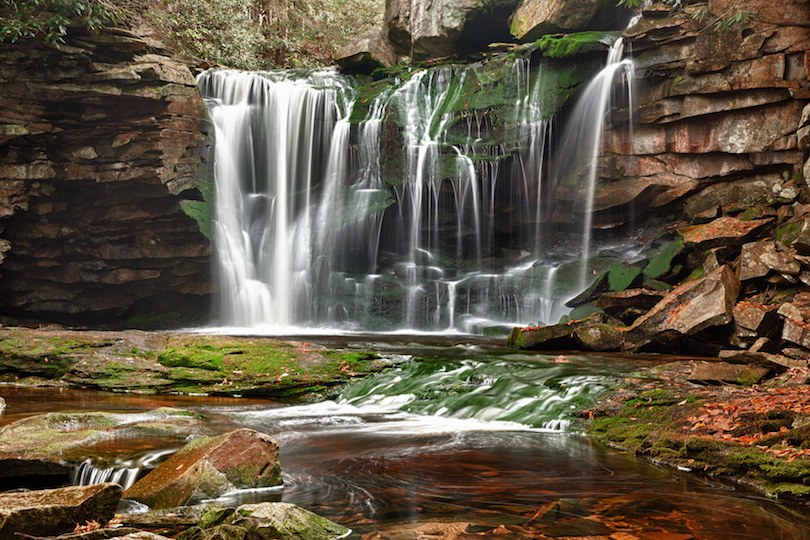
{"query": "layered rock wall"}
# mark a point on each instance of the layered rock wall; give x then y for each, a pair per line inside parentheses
(102, 140)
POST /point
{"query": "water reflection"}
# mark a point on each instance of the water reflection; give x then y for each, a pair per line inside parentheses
(397, 460)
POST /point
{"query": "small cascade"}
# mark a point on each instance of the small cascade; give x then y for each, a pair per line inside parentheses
(582, 144)
(477, 393)
(420, 212)
(86, 475)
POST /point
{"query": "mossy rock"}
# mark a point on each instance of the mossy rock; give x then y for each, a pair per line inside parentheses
(564, 45)
(621, 277)
(661, 264)
(192, 357)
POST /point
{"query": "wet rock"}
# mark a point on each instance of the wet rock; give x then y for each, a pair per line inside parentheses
(690, 308)
(210, 466)
(53, 444)
(53, 512)
(623, 276)
(598, 337)
(176, 520)
(723, 372)
(535, 18)
(551, 337)
(284, 521)
(369, 52)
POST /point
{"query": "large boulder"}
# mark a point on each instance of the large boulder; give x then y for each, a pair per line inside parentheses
(369, 52)
(208, 467)
(442, 28)
(690, 308)
(535, 18)
(52, 512)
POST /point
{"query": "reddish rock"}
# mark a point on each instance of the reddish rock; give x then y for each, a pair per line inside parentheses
(721, 232)
(208, 467)
(690, 308)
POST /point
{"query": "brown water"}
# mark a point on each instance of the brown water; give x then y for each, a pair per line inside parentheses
(376, 462)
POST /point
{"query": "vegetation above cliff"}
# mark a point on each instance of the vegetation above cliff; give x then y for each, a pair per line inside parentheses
(247, 34)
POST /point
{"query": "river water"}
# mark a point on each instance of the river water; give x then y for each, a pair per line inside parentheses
(472, 434)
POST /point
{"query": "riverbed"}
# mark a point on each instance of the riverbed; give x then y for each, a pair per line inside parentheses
(472, 436)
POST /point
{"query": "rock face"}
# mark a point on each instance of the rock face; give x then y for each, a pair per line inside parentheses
(716, 114)
(103, 140)
(53, 512)
(437, 29)
(208, 467)
(535, 18)
(368, 53)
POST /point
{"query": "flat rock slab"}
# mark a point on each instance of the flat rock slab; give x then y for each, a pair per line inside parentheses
(723, 231)
(208, 467)
(51, 443)
(52, 512)
(724, 372)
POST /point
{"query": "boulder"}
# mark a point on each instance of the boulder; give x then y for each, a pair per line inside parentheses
(797, 332)
(689, 308)
(598, 337)
(208, 467)
(369, 52)
(436, 29)
(284, 521)
(535, 18)
(52, 512)
(723, 372)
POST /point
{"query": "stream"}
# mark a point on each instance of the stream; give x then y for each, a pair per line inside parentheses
(470, 433)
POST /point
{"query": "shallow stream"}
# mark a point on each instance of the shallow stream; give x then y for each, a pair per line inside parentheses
(470, 433)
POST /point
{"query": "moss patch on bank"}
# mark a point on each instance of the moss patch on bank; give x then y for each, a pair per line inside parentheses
(758, 436)
(178, 363)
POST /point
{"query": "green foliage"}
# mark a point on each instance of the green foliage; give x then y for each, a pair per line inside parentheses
(262, 34)
(51, 18)
(721, 23)
(222, 31)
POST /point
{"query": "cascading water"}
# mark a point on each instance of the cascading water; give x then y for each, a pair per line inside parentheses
(417, 215)
(584, 131)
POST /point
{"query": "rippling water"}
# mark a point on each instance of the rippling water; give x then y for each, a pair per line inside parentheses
(471, 434)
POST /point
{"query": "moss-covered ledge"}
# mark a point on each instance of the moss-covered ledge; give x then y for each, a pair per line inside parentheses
(757, 435)
(154, 362)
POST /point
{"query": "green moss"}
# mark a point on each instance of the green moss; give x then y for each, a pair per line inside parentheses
(564, 45)
(787, 232)
(661, 264)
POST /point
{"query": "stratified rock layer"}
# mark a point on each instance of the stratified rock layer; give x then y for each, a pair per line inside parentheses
(102, 140)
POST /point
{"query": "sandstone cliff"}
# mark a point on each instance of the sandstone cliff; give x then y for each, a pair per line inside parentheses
(102, 141)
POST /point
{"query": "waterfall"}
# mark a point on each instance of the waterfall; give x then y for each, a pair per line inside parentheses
(417, 213)
(585, 130)
(86, 475)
